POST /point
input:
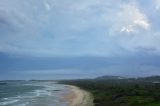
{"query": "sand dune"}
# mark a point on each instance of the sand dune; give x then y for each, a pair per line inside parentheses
(79, 97)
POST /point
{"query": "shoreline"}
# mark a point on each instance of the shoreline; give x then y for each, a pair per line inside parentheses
(78, 97)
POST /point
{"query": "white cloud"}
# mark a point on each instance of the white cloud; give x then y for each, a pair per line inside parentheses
(91, 27)
(142, 23)
(127, 29)
(157, 4)
(47, 6)
(132, 19)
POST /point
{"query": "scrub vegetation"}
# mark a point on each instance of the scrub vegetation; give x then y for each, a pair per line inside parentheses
(117, 91)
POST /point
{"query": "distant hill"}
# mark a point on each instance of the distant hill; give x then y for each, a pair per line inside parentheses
(153, 79)
(3, 83)
(109, 77)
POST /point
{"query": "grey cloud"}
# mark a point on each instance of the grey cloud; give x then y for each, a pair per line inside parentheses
(5, 23)
(10, 22)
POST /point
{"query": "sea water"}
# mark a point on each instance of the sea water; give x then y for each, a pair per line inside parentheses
(32, 93)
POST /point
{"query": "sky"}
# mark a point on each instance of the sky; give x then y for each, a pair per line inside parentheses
(63, 39)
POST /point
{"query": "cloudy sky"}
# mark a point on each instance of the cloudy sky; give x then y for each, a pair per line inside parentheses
(54, 39)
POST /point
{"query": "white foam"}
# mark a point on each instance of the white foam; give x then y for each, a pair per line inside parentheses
(8, 102)
(42, 93)
(5, 98)
(26, 99)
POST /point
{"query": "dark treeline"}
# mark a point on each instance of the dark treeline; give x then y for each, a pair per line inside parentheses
(122, 92)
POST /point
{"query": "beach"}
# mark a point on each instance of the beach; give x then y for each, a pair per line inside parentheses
(43, 93)
(78, 97)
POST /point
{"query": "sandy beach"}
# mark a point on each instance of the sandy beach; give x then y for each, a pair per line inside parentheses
(78, 97)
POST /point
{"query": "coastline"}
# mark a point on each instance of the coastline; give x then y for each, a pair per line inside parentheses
(78, 97)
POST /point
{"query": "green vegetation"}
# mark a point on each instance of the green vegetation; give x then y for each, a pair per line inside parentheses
(122, 92)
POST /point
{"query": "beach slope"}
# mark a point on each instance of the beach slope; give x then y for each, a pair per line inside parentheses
(79, 97)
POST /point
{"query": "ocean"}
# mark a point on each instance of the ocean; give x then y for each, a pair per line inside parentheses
(32, 93)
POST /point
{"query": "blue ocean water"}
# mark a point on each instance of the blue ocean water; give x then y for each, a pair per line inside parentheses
(32, 93)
